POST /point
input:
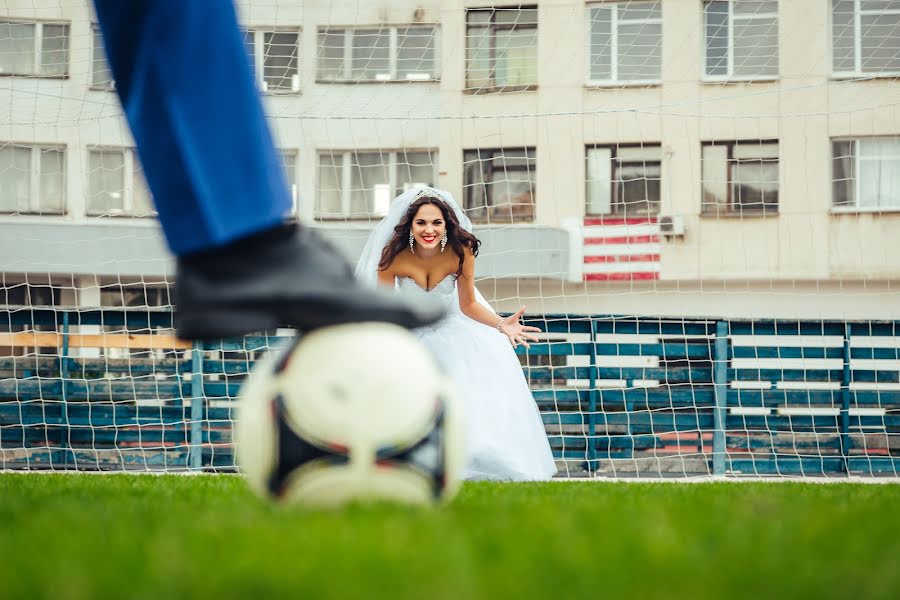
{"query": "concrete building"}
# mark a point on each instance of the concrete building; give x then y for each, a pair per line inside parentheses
(680, 157)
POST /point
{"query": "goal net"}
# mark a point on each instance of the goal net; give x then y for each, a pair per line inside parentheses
(698, 201)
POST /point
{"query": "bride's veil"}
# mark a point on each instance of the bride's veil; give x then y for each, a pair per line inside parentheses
(367, 267)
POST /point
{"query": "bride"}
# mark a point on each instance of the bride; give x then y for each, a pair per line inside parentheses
(424, 246)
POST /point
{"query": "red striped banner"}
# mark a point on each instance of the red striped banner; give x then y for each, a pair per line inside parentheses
(620, 249)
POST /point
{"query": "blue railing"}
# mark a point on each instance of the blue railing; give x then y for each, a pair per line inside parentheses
(618, 395)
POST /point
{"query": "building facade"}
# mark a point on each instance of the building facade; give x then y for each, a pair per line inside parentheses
(673, 157)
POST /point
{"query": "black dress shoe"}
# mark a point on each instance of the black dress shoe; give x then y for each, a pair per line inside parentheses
(283, 277)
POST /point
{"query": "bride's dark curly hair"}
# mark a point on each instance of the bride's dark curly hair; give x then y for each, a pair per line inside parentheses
(458, 239)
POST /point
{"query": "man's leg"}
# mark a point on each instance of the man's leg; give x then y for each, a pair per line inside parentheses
(187, 88)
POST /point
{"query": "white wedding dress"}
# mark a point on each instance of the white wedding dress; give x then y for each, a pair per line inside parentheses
(505, 438)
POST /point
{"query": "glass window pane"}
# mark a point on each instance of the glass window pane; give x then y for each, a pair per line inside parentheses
(649, 152)
(515, 16)
(371, 54)
(280, 63)
(747, 7)
(17, 48)
(141, 200)
(637, 188)
(755, 185)
(755, 150)
(55, 50)
(843, 164)
(715, 178)
(289, 163)
(879, 183)
(842, 35)
(415, 53)
(601, 43)
(15, 178)
(478, 17)
(516, 57)
(414, 169)
(478, 57)
(879, 171)
(51, 180)
(716, 38)
(511, 194)
(599, 184)
(328, 200)
(476, 174)
(330, 54)
(756, 48)
(880, 148)
(106, 182)
(640, 10)
(368, 176)
(101, 75)
(640, 52)
(880, 44)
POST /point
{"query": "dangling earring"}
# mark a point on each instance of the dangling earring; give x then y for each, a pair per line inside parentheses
(412, 243)
(444, 241)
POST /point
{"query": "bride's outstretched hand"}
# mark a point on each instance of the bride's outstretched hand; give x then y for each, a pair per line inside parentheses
(517, 333)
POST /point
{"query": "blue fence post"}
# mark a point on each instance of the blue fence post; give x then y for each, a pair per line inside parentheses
(845, 403)
(720, 380)
(592, 400)
(65, 435)
(197, 399)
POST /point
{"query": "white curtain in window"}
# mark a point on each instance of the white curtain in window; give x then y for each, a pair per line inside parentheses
(879, 173)
(15, 178)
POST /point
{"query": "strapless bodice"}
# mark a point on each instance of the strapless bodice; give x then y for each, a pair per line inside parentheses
(445, 291)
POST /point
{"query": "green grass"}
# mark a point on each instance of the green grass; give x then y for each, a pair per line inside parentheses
(122, 536)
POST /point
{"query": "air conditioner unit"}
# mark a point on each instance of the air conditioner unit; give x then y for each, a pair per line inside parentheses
(672, 226)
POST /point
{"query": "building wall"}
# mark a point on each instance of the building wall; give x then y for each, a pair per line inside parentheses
(808, 241)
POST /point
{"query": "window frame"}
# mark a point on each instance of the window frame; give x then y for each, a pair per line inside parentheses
(614, 183)
(39, 47)
(530, 154)
(857, 180)
(259, 57)
(729, 76)
(493, 28)
(614, 81)
(34, 180)
(731, 211)
(129, 161)
(393, 53)
(857, 72)
(346, 175)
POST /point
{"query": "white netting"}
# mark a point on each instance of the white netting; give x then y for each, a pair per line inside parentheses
(698, 201)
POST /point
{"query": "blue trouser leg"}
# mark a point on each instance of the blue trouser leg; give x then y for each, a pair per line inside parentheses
(186, 84)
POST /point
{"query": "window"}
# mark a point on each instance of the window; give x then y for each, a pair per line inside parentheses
(378, 54)
(289, 162)
(499, 185)
(625, 42)
(866, 173)
(501, 48)
(32, 179)
(116, 184)
(741, 39)
(361, 184)
(101, 75)
(34, 49)
(623, 180)
(740, 178)
(865, 37)
(274, 55)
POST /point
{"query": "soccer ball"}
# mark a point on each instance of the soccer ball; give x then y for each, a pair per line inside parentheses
(351, 412)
